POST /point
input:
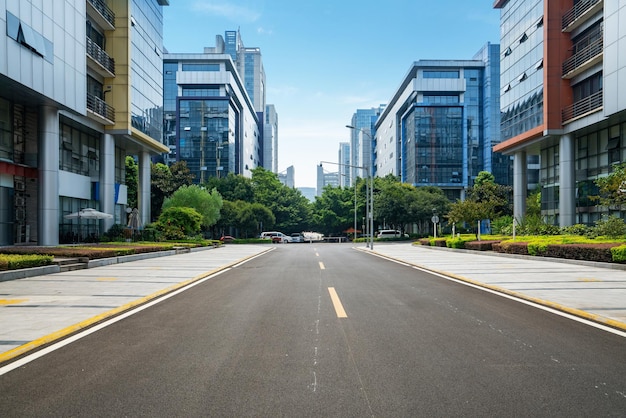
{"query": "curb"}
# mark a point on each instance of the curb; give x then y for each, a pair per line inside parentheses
(599, 319)
(67, 331)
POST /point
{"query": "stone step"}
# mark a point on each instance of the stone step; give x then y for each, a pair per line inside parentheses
(72, 267)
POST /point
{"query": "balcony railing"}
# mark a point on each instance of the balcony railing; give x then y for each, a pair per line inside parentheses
(98, 54)
(104, 10)
(577, 11)
(586, 54)
(100, 107)
(582, 107)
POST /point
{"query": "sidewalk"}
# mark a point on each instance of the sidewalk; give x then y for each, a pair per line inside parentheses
(38, 310)
(595, 291)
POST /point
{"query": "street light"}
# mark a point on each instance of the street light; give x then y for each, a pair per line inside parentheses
(367, 193)
(370, 175)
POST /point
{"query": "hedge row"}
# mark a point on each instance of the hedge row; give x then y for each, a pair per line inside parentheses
(104, 250)
(17, 261)
(607, 252)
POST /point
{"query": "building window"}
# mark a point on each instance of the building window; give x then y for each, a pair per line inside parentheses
(200, 67)
(79, 151)
(508, 52)
(29, 38)
(524, 38)
(441, 74)
(6, 137)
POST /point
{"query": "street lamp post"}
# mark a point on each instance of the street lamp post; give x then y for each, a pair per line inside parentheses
(368, 192)
(370, 198)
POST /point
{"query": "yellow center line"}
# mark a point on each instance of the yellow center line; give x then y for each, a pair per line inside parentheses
(341, 313)
(322, 267)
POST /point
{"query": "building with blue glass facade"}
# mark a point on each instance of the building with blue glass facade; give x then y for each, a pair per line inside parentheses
(210, 120)
(361, 135)
(69, 114)
(441, 124)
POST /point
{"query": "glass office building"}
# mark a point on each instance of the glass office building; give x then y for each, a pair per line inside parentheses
(210, 121)
(80, 89)
(562, 99)
(440, 126)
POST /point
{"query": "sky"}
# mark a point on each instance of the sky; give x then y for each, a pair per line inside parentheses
(324, 59)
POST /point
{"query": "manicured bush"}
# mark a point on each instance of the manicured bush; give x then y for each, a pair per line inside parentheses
(618, 254)
(438, 242)
(22, 261)
(455, 243)
(480, 245)
(590, 252)
(511, 247)
(578, 229)
(611, 227)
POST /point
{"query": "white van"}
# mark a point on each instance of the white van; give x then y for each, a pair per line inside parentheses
(391, 233)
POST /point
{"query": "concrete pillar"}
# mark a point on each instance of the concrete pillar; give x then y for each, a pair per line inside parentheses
(520, 185)
(107, 179)
(48, 194)
(143, 188)
(567, 181)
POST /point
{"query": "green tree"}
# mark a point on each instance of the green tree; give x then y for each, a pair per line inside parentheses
(612, 188)
(132, 179)
(207, 204)
(179, 222)
(486, 200)
(233, 187)
(291, 209)
(333, 211)
(165, 180)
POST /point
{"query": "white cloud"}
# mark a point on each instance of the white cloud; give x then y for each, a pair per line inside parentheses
(263, 31)
(228, 10)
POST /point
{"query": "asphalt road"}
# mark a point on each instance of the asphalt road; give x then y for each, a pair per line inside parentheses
(325, 330)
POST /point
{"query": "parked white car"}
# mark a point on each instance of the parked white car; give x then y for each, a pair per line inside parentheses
(391, 233)
(276, 236)
(297, 237)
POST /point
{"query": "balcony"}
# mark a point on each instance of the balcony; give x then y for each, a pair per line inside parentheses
(581, 108)
(101, 110)
(584, 59)
(105, 65)
(574, 17)
(101, 13)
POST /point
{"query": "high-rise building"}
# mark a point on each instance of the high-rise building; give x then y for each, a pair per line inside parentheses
(231, 140)
(288, 177)
(344, 164)
(441, 124)
(562, 98)
(69, 114)
(210, 120)
(361, 144)
(270, 139)
(325, 178)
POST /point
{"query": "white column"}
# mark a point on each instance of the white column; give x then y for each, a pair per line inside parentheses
(48, 194)
(107, 179)
(520, 185)
(143, 188)
(567, 181)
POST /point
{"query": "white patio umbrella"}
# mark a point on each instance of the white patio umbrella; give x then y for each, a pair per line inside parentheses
(87, 213)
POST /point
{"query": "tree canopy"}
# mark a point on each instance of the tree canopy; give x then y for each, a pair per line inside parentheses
(207, 204)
